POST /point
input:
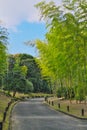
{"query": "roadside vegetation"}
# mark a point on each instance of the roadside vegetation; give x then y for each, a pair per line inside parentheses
(4, 100)
(63, 53)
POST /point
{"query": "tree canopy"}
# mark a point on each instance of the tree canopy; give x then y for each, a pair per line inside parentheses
(24, 75)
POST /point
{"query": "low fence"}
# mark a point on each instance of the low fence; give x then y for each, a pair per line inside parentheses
(67, 109)
(4, 115)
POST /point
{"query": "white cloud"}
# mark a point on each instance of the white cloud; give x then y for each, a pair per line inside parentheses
(13, 12)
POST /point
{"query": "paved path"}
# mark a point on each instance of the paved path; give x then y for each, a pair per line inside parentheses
(35, 115)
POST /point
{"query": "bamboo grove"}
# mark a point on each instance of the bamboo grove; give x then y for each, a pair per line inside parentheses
(63, 53)
(3, 52)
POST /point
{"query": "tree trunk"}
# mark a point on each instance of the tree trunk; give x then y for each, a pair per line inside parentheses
(14, 93)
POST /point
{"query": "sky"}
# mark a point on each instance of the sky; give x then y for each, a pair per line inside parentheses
(22, 20)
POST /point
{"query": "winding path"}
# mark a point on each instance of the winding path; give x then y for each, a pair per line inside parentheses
(35, 115)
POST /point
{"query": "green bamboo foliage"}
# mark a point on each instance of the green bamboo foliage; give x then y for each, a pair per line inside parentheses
(3, 49)
(63, 57)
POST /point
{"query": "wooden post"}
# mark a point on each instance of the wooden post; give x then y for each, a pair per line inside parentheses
(1, 125)
(58, 105)
(45, 98)
(82, 112)
(68, 108)
(52, 103)
(4, 116)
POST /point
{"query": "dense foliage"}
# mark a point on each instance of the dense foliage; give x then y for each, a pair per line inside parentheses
(23, 75)
(3, 52)
(63, 54)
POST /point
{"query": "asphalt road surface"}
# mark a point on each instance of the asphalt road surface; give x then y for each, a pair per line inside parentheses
(35, 115)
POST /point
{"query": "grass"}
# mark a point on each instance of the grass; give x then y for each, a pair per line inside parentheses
(3, 104)
(7, 125)
(39, 95)
(4, 100)
(31, 95)
(74, 108)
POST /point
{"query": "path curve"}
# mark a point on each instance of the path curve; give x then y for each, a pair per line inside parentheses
(35, 115)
